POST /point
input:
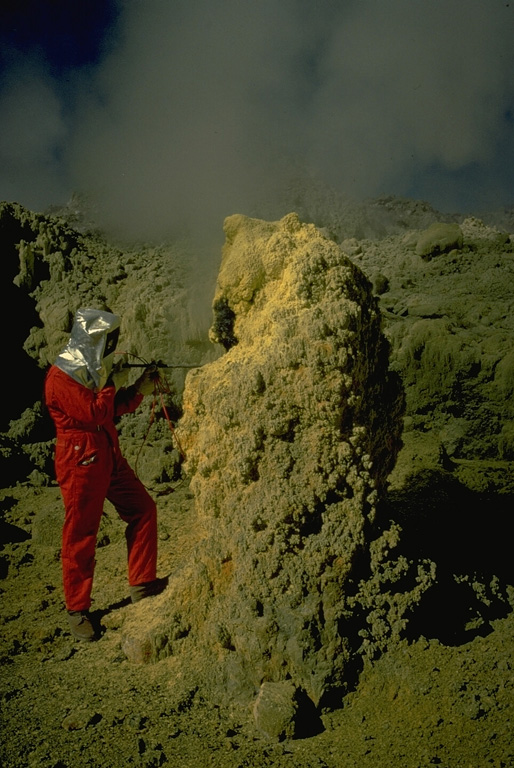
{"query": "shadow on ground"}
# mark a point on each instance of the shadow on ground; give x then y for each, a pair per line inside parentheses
(466, 534)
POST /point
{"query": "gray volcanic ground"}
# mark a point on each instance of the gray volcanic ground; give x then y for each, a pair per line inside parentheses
(437, 687)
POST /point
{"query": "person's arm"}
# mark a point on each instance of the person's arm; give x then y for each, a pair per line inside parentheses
(128, 398)
(73, 405)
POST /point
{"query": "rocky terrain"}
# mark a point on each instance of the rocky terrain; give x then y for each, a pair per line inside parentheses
(428, 677)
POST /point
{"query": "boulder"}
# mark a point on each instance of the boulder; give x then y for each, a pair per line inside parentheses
(439, 238)
(275, 710)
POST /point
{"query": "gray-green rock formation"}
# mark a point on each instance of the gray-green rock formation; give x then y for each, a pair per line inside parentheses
(289, 438)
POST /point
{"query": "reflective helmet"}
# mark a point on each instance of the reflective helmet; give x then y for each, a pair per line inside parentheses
(89, 354)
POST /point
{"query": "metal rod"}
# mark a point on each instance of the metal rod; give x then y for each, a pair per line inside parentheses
(156, 365)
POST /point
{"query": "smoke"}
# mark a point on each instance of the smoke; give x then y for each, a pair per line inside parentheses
(199, 110)
(33, 130)
(409, 91)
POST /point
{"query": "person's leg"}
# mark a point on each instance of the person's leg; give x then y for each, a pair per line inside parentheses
(137, 509)
(83, 468)
(83, 498)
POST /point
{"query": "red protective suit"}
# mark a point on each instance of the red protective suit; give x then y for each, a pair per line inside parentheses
(90, 468)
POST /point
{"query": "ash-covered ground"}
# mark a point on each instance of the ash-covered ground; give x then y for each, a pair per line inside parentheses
(427, 702)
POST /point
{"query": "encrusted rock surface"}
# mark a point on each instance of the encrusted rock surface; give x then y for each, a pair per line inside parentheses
(289, 438)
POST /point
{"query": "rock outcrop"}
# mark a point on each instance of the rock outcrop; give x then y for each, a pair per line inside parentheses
(289, 438)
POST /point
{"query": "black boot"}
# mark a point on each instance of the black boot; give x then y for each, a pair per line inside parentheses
(81, 627)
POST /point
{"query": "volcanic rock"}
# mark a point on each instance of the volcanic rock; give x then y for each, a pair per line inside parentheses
(275, 709)
(439, 238)
(289, 439)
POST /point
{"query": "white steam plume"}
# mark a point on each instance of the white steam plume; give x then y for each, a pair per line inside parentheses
(200, 109)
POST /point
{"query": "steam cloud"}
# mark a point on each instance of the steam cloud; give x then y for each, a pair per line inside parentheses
(197, 110)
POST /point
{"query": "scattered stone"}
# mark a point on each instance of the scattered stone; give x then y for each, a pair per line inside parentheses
(79, 719)
(137, 648)
(439, 238)
(275, 710)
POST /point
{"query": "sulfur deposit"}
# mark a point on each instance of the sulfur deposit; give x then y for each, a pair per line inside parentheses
(289, 438)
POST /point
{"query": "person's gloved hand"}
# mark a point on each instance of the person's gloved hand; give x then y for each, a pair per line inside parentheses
(147, 382)
(119, 374)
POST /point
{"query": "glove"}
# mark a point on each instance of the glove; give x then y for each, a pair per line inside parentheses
(119, 375)
(147, 382)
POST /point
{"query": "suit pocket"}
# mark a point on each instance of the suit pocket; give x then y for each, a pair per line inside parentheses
(77, 452)
(87, 460)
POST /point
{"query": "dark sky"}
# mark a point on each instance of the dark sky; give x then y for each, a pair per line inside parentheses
(170, 111)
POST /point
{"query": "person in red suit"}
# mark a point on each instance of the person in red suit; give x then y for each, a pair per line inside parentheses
(83, 404)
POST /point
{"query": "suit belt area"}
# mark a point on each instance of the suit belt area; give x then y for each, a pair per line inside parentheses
(98, 428)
